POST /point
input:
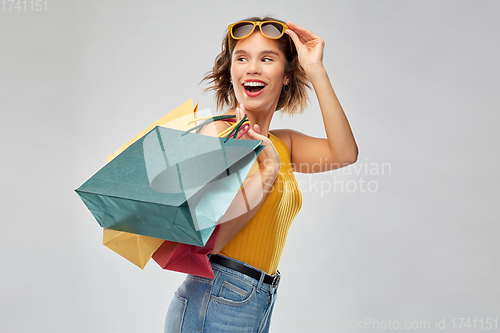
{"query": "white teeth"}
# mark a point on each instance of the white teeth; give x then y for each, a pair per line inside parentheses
(253, 84)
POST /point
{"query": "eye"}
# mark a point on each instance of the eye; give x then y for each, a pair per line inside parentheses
(241, 59)
(266, 59)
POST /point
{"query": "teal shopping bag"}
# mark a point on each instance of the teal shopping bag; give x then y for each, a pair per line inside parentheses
(169, 186)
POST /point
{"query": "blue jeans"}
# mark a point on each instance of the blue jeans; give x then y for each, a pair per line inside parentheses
(232, 302)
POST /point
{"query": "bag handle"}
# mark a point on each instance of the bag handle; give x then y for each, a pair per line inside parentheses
(232, 130)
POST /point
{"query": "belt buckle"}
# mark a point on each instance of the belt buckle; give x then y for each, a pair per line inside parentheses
(276, 280)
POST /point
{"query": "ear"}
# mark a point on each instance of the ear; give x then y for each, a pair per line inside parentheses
(286, 80)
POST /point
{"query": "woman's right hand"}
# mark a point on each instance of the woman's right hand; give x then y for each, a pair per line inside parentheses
(269, 160)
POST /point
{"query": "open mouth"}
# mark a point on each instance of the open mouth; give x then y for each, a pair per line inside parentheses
(253, 86)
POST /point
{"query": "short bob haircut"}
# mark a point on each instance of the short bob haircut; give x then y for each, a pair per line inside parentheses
(292, 100)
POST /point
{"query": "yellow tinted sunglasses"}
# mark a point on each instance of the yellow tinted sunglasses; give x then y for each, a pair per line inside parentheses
(269, 29)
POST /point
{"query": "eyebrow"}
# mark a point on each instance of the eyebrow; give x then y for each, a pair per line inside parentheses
(263, 52)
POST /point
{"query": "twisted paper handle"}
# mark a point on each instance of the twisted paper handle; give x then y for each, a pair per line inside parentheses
(232, 130)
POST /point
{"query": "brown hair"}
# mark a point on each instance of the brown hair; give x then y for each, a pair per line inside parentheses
(291, 101)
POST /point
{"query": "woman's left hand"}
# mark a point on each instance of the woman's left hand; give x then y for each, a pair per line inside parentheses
(309, 46)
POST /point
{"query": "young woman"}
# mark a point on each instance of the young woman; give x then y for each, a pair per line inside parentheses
(259, 71)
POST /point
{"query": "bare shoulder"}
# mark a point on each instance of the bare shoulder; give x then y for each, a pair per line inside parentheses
(290, 136)
(283, 135)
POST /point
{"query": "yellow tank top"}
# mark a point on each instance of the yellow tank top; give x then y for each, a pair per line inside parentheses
(261, 242)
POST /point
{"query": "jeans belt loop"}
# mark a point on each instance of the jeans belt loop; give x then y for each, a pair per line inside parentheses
(261, 280)
(276, 280)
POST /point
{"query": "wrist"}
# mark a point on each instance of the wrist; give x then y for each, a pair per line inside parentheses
(314, 70)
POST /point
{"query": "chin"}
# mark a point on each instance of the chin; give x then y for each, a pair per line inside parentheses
(257, 106)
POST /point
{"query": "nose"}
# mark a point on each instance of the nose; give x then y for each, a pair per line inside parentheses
(254, 66)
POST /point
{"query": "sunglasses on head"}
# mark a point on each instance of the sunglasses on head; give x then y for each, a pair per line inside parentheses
(269, 29)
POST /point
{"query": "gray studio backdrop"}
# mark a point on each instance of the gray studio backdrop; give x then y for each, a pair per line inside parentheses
(407, 236)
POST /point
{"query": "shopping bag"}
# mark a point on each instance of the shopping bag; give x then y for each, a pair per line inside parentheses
(138, 249)
(170, 186)
(135, 248)
(187, 258)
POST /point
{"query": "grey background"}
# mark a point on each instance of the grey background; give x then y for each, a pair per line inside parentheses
(419, 83)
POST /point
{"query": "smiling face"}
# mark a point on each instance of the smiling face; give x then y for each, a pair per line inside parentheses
(257, 72)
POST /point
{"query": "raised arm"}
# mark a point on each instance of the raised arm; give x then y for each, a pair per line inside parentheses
(310, 154)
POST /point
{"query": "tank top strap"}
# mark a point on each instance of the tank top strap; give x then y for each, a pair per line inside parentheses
(281, 148)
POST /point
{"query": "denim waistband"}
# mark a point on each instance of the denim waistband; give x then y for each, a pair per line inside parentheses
(226, 270)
